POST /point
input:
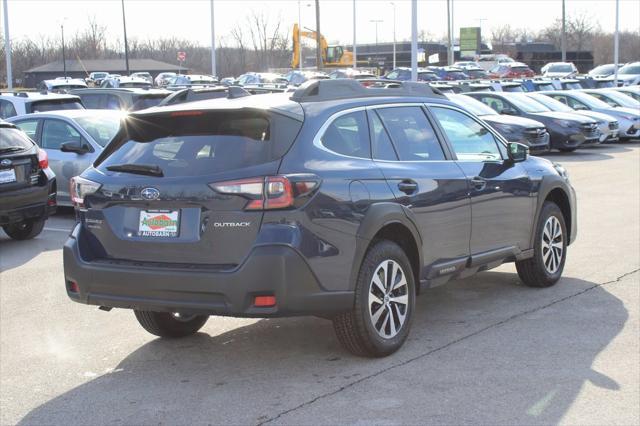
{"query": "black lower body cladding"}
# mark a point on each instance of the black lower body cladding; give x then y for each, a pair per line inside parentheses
(270, 270)
(33, 203)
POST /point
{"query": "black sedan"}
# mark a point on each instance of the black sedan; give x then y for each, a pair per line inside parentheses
(514, 129)
(567, 130)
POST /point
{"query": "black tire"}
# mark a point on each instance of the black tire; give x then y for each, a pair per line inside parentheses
(167, 324)
(533, 272)
(355, 329)
(24, 230)
(567, 149)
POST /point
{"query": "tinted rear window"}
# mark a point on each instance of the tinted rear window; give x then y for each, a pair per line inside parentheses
(206, 144)
(55, 105)
(144, 102)
(10, 138)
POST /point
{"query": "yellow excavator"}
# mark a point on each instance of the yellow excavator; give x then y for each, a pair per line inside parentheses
(332, 56)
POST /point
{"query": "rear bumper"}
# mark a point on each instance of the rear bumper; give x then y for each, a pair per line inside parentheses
(270, 270)
(35, 202)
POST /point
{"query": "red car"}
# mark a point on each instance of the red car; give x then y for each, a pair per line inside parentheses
(511, 70)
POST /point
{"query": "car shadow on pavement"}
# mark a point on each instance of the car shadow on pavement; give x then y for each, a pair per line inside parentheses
(481, 350)
(592, 153)
(16, 253)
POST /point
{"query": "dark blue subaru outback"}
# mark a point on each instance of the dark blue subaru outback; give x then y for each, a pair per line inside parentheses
(335, 200)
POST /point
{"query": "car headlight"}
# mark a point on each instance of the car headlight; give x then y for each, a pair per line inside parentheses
(563, 123)
(561, 171)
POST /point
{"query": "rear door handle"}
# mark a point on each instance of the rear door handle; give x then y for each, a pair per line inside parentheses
(478, 183)
(408, 187)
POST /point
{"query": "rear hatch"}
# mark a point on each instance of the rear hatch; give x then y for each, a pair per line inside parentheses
(157, 203)
(18, 160)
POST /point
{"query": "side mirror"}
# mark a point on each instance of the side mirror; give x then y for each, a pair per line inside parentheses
(76, 147)
(579, 107)
(517, 152)
(509, 111)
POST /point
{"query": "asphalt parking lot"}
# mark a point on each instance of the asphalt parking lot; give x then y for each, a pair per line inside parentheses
(485, 350)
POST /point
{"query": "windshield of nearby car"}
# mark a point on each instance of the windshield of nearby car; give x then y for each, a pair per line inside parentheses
(133, 84)
(630, 69)
(147, 101)
(603, 70)
(544, 86)
(475, 73)
(560, 68)
(550, 103)
(520, 69)
(590, 101)
(472, 105)
(13, 138)
(619, 98)
(55, 105)
(427, 76)
(102, 128)
(526, 104)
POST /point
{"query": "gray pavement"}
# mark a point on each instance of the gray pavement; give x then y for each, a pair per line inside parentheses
(485, 350)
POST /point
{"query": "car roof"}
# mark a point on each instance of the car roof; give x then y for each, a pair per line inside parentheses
(70, 114)
(36, 96)
(137, 90)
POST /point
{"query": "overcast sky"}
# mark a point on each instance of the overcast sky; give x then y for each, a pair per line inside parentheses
(190, 18)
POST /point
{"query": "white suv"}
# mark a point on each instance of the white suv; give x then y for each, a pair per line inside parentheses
(19, 103)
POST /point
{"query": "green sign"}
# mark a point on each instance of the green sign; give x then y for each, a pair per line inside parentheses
(470, 40)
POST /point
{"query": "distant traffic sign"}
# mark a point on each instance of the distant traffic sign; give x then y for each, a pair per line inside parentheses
(182, 56)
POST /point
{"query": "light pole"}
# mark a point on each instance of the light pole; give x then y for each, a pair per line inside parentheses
(64, 56)
(564, 35)
(126, 45)
(355, 50)
(450, 50)
(376, 21)
(7, 46)
(616, 58)
(318, 35)
(213, 44)
(394, 34)
(414, 40)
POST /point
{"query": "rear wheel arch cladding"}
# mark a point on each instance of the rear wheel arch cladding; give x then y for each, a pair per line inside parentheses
(378, 223)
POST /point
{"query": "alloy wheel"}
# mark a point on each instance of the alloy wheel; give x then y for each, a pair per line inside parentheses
(552, 245)
(388, 299)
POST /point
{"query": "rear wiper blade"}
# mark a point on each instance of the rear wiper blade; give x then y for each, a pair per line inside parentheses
(138, 169)
(12, 149)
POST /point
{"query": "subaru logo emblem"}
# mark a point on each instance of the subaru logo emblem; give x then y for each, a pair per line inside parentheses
(150, 194)
(6, 162)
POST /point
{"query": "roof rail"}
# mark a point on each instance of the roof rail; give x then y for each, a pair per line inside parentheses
(328, 90)
(237, 92)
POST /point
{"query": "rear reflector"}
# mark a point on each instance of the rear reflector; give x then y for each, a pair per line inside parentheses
(73, 287)
(264, 301)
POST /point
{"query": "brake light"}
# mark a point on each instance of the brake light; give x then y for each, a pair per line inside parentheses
(43, 159)
(79, 188)
(266, 193)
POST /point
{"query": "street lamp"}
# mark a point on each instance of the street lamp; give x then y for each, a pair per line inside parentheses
(64, 60)
(376, 21)
(394, 34)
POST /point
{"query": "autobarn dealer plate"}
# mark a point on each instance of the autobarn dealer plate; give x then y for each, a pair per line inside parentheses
(159, 223)
(7, 176)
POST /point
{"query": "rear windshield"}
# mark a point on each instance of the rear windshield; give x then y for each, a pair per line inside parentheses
(545, 86)
(561, 68)
(572, 86)
(13, 138)
(144, 102)
(520, 69)
(205, 144)
(55, 105)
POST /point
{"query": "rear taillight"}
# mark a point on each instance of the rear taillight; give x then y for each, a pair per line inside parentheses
(267, 193)
(43, 159)
(79, 188)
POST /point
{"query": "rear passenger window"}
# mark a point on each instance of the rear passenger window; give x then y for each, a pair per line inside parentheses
(7, 109)
(381, 143)
(411, 133)
(348, 135)
(30, 127)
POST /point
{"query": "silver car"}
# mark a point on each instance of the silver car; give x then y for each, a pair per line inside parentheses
(628, 118)
(608, 125)
(72, 139)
